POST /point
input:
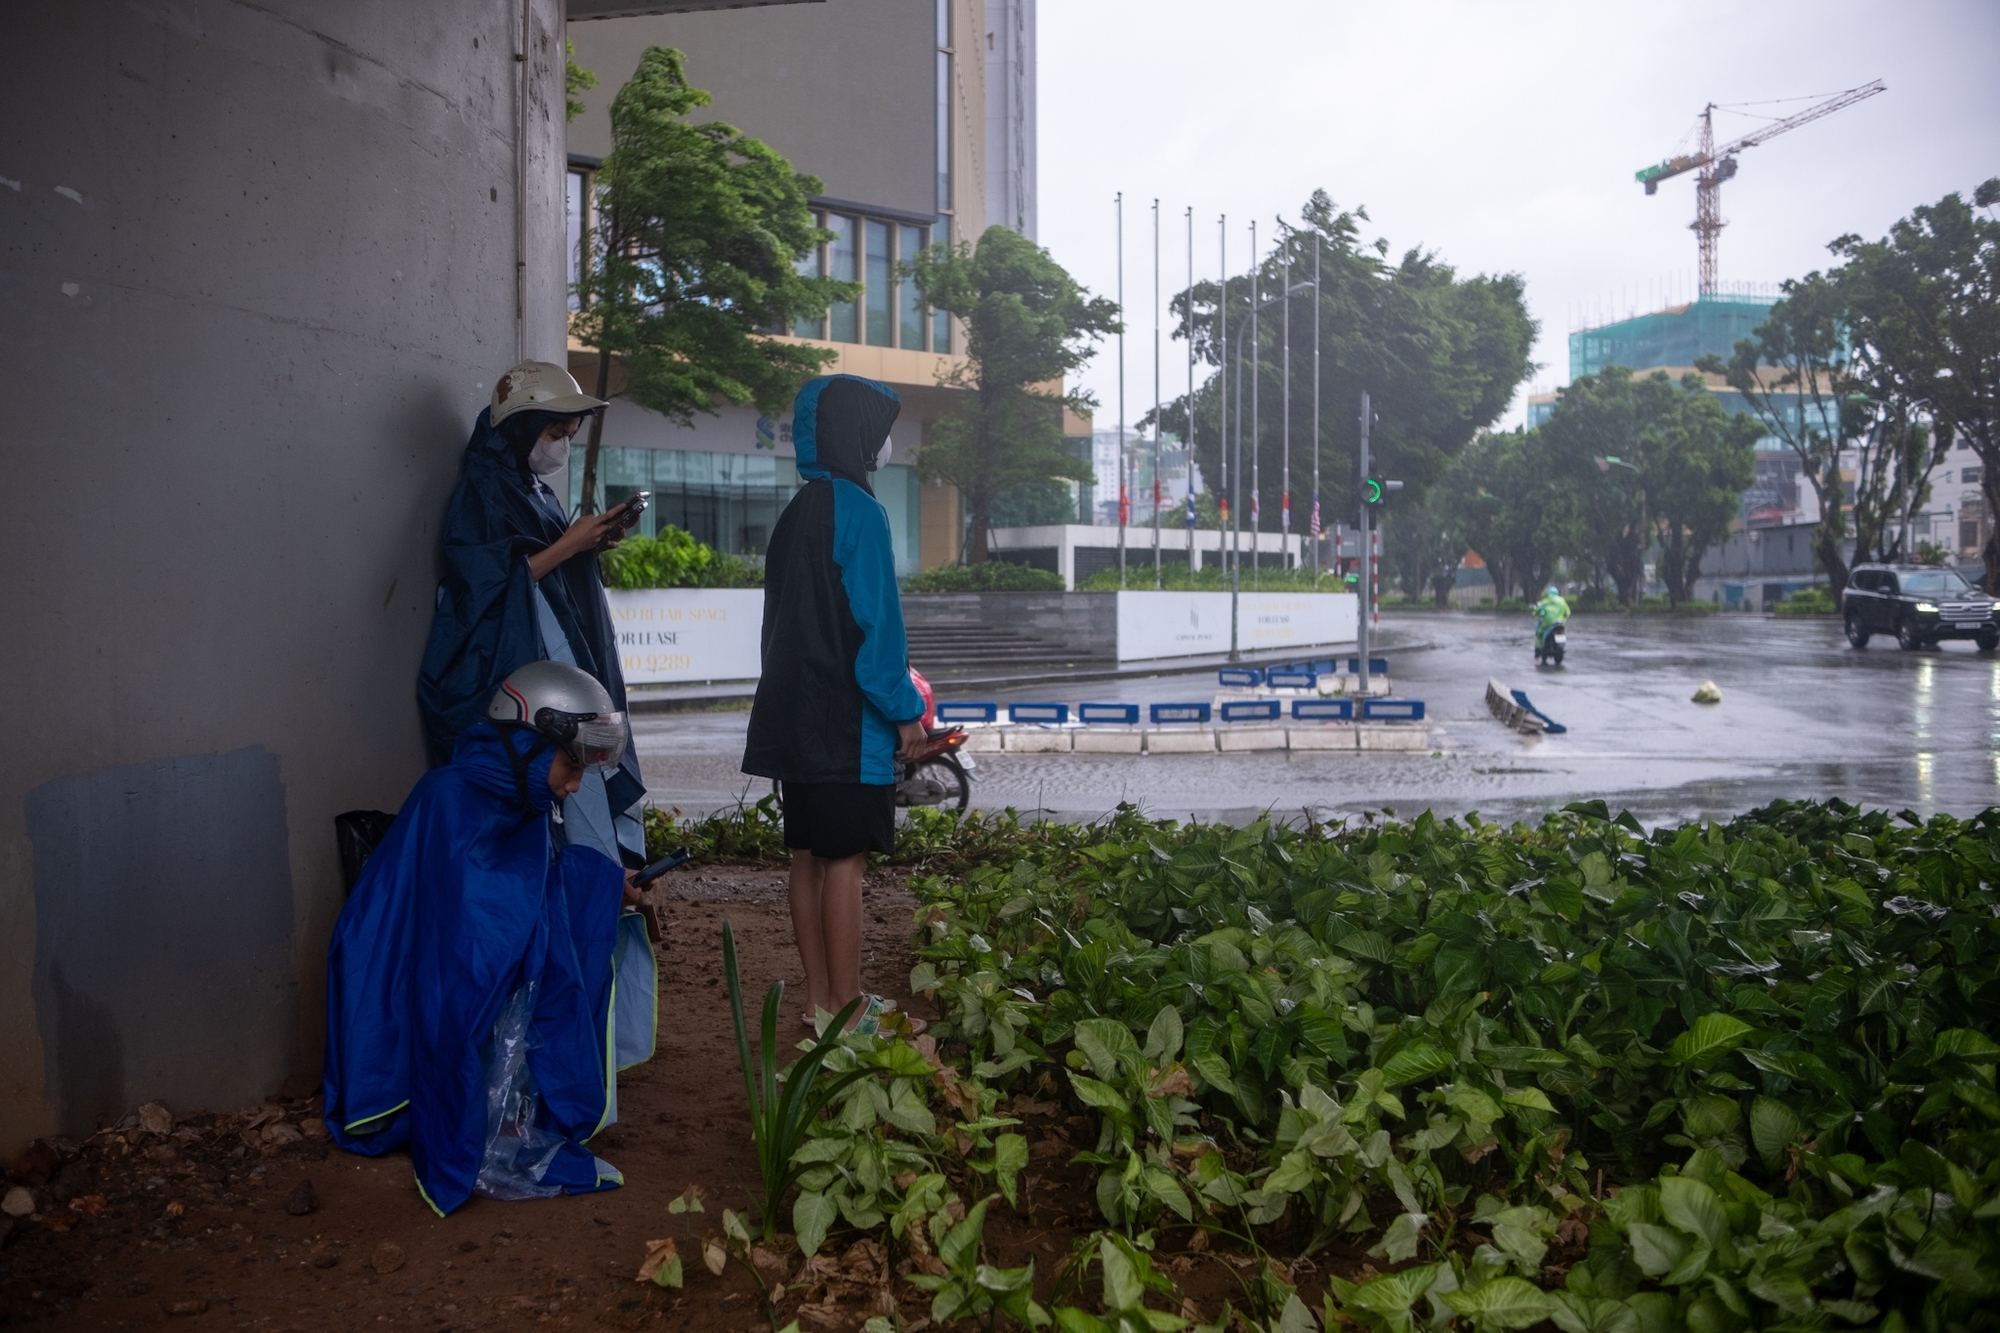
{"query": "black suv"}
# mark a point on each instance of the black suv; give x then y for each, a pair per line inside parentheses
(1919, 604)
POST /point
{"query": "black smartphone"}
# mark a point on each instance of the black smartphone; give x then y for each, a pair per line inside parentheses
(678, 856)
(633, 507)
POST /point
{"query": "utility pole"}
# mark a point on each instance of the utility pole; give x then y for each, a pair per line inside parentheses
(1233, 476)
(1367, 566)
(1187, 327)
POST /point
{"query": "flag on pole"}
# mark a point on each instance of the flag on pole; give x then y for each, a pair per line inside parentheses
(1124, 508)
(1190, 511)
(1285, 511)
(1316, 533)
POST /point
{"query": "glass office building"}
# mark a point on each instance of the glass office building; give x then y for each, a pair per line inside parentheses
(732, 501)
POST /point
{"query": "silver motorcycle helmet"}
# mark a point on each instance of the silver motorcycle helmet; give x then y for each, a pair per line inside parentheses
(569, 707)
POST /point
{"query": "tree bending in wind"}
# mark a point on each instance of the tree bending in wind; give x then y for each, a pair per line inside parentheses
(693, 261)
(1028, 324)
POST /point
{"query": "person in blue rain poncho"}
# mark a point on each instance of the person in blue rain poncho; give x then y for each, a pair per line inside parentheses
(520, 584)
(487, 980)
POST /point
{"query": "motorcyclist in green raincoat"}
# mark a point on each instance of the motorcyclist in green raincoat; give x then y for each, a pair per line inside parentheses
(1551, 611)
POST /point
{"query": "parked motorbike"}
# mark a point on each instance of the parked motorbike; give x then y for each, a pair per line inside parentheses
(1549, 647)
(939, 774)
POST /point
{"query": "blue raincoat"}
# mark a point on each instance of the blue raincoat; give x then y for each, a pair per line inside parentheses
(469, 908)
(492, 616)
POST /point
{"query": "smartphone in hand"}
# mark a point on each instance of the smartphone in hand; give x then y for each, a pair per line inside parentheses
(679, 856)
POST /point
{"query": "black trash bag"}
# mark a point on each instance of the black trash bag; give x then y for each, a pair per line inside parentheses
(359, 833)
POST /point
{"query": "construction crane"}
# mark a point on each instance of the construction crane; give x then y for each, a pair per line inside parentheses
(1717, 165)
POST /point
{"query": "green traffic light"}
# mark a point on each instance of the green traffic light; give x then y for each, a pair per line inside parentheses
(1374, 485)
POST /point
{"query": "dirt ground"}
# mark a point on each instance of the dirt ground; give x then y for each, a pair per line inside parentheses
(252, 1220)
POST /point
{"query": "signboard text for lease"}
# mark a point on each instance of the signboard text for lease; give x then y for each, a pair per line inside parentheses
(685, 634)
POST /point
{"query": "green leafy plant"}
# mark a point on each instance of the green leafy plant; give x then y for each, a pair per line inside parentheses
(992, 576)
(675, 559)
(1808, 602)
(970, 1289)
(784, 1105)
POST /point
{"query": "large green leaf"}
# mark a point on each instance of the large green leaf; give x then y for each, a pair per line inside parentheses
(1010, 1156)
(1694, 1208)
(1774, 1126)
(1419, 1060)
(1712, 1037)
(1106, 1042)
(1505, 1302)
(812, 1214)
(1655, 1249)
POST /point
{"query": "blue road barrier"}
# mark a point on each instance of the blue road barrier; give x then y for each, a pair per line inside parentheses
(1393, 710)
(1377, 666)
(963, 712)
(1038, 712)
(1291, 678)
(1249, 677)
(1161, 713)
(1323, 710)
(1128, 714)
(1251, 710)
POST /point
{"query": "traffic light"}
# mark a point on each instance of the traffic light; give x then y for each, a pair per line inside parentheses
(1374, 490)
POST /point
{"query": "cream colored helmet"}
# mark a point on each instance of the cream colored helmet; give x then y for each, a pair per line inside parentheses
(540, 386)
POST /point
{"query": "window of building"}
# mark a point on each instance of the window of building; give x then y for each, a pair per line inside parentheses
(1971, 475)
(944, 106)
(808, 267)
(844, 320)
(732, 501)
(574, 186)
(909, 307)
(890, 312)
(880, 295)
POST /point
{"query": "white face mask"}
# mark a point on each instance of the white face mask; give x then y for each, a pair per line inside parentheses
(882, 456)
(548, 456)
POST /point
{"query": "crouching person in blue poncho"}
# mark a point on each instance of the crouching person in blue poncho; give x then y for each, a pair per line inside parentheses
(487, 980)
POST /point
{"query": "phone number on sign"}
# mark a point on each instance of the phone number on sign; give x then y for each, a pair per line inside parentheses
(657, 662)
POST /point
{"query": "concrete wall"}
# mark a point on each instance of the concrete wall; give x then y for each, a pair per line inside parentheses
(1083, 623)
(259, 273)
(844, 90)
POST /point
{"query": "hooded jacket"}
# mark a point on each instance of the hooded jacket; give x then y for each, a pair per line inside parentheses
(836, 668)
(485, 625)
(465, 902)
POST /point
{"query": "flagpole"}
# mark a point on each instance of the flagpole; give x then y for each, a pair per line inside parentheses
(1187, 327)
(1156, 394)
(1118, 203)
(1229, 519)
(1315, 521)
(1256, 435)
(1285, 474)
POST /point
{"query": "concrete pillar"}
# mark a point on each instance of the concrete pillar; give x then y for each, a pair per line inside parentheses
(264, 265)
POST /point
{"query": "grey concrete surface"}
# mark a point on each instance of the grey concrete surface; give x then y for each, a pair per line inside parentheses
(259, 275)
(1802, 715)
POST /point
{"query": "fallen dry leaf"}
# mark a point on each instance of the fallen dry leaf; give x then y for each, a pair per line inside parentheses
(175, 1208)
(1198, 1242)
(155, 1118)
(714, 1256)
(92, 1205)
(659, 1253)
(281, 1133)
(193, 1307)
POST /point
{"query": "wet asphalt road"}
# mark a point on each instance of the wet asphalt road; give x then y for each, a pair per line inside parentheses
(1802, 715)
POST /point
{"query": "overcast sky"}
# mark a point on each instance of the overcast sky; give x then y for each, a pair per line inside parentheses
(1501, 135)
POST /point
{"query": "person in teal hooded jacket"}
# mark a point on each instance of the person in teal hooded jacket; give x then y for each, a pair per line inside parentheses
(835, 706)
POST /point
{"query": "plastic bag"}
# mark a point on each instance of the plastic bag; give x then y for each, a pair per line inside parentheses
(359, 833)
(518, 1153)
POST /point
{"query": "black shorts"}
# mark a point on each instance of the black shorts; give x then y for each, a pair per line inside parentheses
(834, 820)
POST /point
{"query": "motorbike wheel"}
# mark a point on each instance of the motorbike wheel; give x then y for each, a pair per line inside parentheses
(1558, 654)
(1855, 634)
(1907, 637)
(946, 771)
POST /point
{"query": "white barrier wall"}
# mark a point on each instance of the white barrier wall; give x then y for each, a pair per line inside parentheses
(668, 635)
(1193, 624)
